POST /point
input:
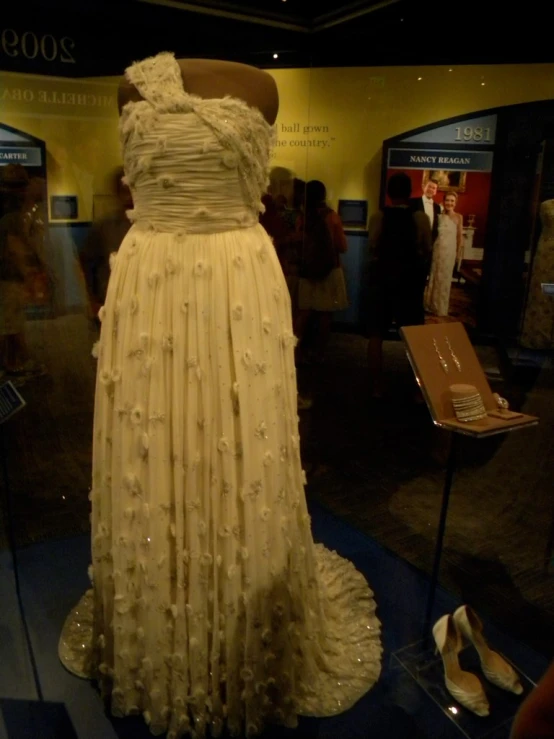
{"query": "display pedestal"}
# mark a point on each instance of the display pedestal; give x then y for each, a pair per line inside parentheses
(423, 666)
(434, 381)
(421, 343)
(448, 478)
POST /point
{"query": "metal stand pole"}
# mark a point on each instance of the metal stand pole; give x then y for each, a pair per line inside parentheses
(449, 476)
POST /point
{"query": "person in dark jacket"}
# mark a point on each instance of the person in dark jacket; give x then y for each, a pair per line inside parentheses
(401, 248)
(105, 238)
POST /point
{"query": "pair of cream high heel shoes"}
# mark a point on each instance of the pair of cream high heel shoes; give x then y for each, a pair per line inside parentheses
(465, 687)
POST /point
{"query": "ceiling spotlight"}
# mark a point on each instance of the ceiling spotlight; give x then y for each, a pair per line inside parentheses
(276, 56)
(450, 70)
(419, 79)
(482, 84)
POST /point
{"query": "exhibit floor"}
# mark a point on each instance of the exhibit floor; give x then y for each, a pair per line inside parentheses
(53, 576)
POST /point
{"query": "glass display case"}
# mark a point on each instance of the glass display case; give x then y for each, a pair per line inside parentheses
(472, 142)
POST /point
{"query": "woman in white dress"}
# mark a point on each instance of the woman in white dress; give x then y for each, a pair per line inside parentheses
(447, 249)
(211, 604)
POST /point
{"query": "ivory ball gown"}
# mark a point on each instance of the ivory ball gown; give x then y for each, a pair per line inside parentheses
(211, 605)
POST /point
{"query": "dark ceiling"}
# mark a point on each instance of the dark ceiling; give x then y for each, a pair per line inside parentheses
(109, 34)
(300, 15)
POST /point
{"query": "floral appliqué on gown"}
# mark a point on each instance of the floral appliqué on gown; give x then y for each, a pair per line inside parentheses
(211, 605)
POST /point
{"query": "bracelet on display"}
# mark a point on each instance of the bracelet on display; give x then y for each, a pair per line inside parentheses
(468, 403)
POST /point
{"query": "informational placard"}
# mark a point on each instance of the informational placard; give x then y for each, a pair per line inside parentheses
(353, 213)
(10, 401)
(25, 155)
(22, 150)
(480, 131)
(443, 160)
(450, 162)
(64, 207)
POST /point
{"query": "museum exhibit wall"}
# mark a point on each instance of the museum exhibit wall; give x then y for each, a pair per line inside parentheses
(331, 123)
(352, 111)
(331, 126)
(77, 120)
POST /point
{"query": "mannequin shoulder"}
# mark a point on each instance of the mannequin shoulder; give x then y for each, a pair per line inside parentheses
(209, 78)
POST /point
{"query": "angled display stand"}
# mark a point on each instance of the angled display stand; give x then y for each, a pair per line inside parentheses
(426, 346)
(435, 382)
(442, 355)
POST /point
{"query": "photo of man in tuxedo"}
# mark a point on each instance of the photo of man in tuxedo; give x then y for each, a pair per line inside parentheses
(426, 203)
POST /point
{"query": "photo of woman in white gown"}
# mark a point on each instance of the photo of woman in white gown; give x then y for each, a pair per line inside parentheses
(447, 249)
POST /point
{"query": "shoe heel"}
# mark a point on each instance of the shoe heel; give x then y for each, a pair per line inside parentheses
(494, 666)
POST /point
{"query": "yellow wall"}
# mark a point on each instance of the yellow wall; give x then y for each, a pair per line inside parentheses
(352, 112)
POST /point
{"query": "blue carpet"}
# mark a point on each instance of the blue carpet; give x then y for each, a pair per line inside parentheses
(53, 577)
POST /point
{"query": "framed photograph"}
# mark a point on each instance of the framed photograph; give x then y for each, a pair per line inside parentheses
(447, 179)
(64, 207)
(353, 212)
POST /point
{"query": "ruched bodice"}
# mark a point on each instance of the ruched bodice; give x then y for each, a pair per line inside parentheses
(194, 165)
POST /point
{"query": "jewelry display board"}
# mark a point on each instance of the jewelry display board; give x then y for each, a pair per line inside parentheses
(442, 355)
